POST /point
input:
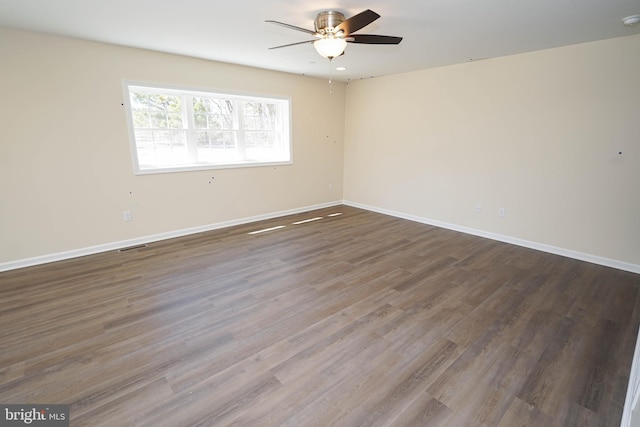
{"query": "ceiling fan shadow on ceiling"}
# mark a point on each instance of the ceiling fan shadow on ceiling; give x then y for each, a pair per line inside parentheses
(333, 31)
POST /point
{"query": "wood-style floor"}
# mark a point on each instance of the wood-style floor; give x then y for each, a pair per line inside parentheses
(359, 319)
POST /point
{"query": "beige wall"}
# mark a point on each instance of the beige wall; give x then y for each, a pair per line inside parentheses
(65, 165)
(536, 133)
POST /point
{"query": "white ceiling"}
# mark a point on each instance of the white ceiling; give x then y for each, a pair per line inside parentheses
(436, 32)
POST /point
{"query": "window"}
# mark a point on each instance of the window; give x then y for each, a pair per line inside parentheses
(176, 130)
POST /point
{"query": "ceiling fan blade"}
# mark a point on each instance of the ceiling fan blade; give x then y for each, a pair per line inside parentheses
(291, 44)
(357, 22)
(373, 39)
(293, 27)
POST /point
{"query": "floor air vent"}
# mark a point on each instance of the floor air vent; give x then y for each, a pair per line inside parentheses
(130, 248)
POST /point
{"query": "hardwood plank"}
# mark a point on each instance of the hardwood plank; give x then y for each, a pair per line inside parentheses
(403, 388)
(522, 414)
(425, 411)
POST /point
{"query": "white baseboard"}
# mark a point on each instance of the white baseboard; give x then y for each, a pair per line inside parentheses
(60, 256)
(594, 259)
(620, 265)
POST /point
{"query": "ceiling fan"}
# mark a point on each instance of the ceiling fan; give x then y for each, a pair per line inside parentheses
(333, 31)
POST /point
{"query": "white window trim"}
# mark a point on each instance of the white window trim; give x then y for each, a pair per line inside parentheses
(180, 90)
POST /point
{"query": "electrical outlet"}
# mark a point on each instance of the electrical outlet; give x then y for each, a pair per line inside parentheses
(478, 208)
(127, 216)
(330, 187)
(502, 212)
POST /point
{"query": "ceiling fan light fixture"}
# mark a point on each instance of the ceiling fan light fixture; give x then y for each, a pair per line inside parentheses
(330, 47)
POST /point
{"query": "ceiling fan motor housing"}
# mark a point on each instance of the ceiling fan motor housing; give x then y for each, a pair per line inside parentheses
(326, 21)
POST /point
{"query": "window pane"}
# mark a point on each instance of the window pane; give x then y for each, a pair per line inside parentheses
(200, 121)
(158, 120)
(216, 139)
(249, 122)
(260, 139)
(213, 113)
(161, 147)
(141, 119)
(259, 115)
(217, 147)
(175, 120)
(156, 111)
